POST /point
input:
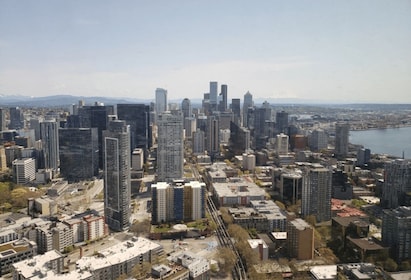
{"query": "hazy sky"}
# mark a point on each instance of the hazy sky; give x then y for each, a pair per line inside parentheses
(342, 50)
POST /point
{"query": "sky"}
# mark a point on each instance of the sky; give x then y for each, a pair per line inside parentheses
(336, 51)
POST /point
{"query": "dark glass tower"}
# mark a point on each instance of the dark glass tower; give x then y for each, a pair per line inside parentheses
(281, 122)
(50, 143)
(137, 116)
(16, 118)
(78, 148)
(116, 146)
(96, 116)
(222, 106)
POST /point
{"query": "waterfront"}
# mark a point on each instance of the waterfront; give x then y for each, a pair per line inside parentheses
(392, 141)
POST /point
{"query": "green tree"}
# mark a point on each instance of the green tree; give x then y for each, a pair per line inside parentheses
(226, 260)
(390, 265)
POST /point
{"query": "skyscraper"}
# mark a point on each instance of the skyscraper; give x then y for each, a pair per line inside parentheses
(137, 116)
(248, 103)
(213, 136)
(342, 131)
(78, 148)
(50, 143)
(236, 109)
(170, 151)
(16, 118)
(222, 106)
(213, 96)
(396, 229)
(2, 119)
(117, 175)
(318, 140)
(316, 192)
(397, 184)
(96, 116)
(198, 142)
(161, 100)
(186, 108)
(281, 122)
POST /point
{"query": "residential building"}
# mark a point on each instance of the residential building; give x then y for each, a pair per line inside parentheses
(342, 131)
(397, 184)
(15, 251)
(50, 144)
(199, 267)
(260, 247)
(239, 139)
(316, 192)
(282, 144)
(300, 240)
(396, 229)
(198, 142)
(24, 170)
(318, 140)
(170, 150)
(213, 137)
(117, 186)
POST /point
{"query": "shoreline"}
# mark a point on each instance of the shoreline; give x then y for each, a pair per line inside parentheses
(382, 128)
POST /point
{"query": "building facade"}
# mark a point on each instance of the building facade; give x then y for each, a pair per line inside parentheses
(24, 170)
(117, 186)
(397, 184)
(342, 131)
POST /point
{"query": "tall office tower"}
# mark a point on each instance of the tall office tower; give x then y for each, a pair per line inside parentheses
(342, 131)
(236, 109)
(316, 192)
(262, 116)
(161, 100)
(137, 116)
(282, 144)
(224, 120)
(222, 105)
(396, 229)
(202, 122)
(205, 104)
(363, 156)
(49, 136)
(213, 96)
(96, 116)
(35, 125)
(213, 137)
(397, 184)
(78, 148)
(190, 125)
(239, 139)
(3, 119)
(318, 140)
(186, 108)
(117, 187)
(16, 118)
(248, 103)
(281, 122)
(170, 150)
(198, 142)
(300, 240)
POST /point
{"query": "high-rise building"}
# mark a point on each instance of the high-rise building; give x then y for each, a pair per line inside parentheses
(78, 148)
(50, 144)
(342, 131)
(236, 109)
(213, 136)
(397, 184)
(186, 108)
(262, 118)
(222, 105)
(161, 100)
(239, 139)
(178, 201)
(282, 144)
(24, 170)
(363, 156)
(96, 116)
(190, 125)
(2, 119)
(248, 103)
(170, 150)
(318, 140)
(316, 192)
(396, 229)
(137, 116)
(213, 96)
(16, 118)
(281, 122)
(198, 142)
(117, 175)
(300, 240)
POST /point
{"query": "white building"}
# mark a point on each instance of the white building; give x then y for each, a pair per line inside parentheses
(24, 170)
(170, 151)
(282, 144)
(198, 142)
(161, 100)
(199, 267)
(137, 159)
(260, 247)
(248, 162)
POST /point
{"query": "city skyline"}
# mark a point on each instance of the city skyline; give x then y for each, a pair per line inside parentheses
(343, 51)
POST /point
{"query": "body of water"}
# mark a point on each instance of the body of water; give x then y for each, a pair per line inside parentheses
(392, 141)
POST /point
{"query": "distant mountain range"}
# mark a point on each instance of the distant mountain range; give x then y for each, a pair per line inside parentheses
(66, 100)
